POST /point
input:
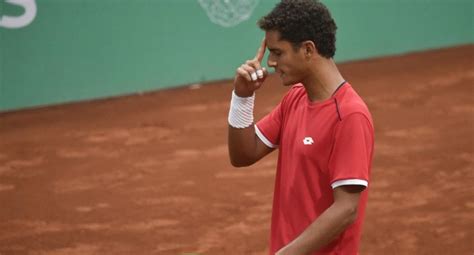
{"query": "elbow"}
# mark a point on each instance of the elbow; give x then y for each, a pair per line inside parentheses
(239, 162)
(351, 213)
(347, 214)
(241, 158)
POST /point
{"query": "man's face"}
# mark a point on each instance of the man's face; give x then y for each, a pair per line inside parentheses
(289, 63)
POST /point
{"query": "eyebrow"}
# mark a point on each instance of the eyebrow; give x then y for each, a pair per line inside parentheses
(273, 49)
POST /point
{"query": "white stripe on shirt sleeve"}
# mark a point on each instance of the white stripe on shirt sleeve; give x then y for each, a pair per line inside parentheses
(349, 182)
(263, 138)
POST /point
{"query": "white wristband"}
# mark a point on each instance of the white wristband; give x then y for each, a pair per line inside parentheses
(241, 111)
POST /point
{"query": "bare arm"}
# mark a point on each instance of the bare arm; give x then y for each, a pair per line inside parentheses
(333, 221)
(245, 148)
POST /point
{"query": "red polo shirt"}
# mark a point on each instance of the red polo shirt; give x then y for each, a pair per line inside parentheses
(322, 145)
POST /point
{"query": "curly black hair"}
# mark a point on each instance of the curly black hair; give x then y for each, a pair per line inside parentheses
(301, 20)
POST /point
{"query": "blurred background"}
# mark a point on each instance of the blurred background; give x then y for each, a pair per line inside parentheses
(55, 51)
(113, 125)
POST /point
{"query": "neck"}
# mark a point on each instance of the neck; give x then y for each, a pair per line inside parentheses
(323, 80)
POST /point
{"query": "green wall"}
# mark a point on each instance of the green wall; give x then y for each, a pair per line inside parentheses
(82, 49)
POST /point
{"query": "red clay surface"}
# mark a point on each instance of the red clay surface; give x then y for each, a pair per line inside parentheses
(150, 174)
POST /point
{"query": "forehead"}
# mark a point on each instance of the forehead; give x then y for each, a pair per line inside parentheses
(273, 41)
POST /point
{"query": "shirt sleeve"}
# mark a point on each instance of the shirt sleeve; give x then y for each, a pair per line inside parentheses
(269, 127)
(351, 156)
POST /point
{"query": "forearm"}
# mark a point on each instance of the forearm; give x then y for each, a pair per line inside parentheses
(242, 141)
(242, 145)
(322, 231)
(241, 134)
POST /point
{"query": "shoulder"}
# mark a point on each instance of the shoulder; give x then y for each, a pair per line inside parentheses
(297, 89)
(349, 103)
(296, 92)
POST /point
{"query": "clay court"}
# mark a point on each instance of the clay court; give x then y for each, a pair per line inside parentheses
(150, 174)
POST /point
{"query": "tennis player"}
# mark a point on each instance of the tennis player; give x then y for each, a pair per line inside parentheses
(322, 129)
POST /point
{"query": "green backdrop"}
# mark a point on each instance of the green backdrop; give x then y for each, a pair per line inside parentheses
(82, 49)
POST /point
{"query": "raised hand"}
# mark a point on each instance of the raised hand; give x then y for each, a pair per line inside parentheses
(250, 76)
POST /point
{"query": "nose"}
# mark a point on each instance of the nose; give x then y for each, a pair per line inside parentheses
(271, 63)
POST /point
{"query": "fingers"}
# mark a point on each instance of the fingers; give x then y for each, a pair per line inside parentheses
(244, 73)
(265, 72)
(255, 71)
(261, 51)
(252, 70)
(262, 75)
(251, 73)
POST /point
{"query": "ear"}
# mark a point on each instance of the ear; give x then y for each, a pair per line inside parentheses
(309, 49)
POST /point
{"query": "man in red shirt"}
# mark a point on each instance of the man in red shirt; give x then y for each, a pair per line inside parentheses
(322, 129)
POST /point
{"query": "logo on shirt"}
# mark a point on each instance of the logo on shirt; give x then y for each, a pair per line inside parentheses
(308, 140)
